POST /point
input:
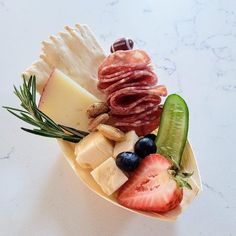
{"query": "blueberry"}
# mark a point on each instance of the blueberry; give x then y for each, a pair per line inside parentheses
(145, 146)
(151, 136)
(127, 161)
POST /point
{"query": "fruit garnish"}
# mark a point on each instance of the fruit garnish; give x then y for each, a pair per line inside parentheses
(122, 44)
(127, 161)
(145, 146)
(151, 187)
(32, 115)
(173, 130)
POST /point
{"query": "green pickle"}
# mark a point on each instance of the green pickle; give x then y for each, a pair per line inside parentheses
(172, 133)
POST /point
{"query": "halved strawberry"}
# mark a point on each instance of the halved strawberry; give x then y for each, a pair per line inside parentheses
(151, 187)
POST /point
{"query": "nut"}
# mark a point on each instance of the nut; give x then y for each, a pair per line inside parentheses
(96, 109)
(111, 132)
(102, 118)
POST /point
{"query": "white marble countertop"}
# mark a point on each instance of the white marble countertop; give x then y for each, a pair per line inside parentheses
(193, 46)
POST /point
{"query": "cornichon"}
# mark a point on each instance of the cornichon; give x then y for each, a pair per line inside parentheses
(172, 134)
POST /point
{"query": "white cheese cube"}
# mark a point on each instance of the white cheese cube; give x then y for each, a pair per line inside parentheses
(92, 150)
(127, 145)
(109, 176)
(66, 102)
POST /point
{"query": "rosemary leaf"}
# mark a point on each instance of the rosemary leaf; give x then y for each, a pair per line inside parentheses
(41, 132)
(48, 120)
(72, 139)
(73, 131)
(15, 109)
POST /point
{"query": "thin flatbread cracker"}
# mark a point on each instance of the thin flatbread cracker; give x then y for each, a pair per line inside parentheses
(76, 53)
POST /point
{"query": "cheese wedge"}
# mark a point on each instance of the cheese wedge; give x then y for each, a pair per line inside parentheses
(92, 150)
(127, 145)
(66, 102)
(109, 176)
(76, 52)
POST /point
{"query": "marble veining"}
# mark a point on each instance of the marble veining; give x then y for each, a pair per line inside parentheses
(212, 189)
(167, 65)
(113, 3)
(8, 155)
(2, 4)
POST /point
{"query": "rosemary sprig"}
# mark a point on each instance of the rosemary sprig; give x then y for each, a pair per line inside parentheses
(32, 115)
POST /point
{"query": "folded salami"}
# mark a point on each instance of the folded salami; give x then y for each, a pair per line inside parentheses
(124, 61)
(128, 99)
(133, 78)
(133, 95)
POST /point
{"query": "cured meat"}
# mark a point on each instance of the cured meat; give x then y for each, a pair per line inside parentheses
(133, 96)
(124, 61)
(135, 119)
(145, 127)
(129, 99)
(137, 77)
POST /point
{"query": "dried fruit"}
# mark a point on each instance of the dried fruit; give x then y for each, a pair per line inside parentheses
(111, 132)
(122, 44)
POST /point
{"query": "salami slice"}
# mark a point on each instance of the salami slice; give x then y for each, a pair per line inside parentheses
(136, 78)
(124, 100)
(115, 76)
(104, 82)
(137, 107)
(124, 61)
(144, 128)
(148, 115)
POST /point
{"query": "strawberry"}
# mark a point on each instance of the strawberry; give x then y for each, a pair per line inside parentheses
(151, 187)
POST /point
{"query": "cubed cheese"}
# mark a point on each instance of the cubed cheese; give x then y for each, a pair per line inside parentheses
(109, 176)
(92, 150)
(127, 145)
